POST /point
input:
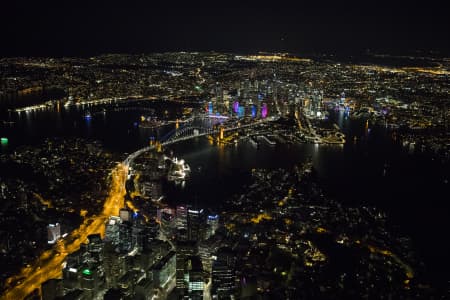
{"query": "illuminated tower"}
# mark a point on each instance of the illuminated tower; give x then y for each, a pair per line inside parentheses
(264, 110)
(210, 108)
(236, 107)
(177, 125)
(158, 147)
(221, 133)
(254, 109)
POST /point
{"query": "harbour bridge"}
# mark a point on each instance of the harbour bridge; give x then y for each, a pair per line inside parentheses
(191, 130)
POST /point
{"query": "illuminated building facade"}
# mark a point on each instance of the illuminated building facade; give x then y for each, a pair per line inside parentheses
(196, 226)
(125, 214)
(53, 232)
(184, 249)
(195, 277)
(212, 222)
(182, 216)
(95, 248)
(223, 274)
(125, 229)
(112, 230)
(163, 270)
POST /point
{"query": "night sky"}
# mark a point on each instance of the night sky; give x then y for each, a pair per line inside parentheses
(79, 28)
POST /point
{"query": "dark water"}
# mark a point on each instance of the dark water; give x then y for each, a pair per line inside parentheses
(412, 191)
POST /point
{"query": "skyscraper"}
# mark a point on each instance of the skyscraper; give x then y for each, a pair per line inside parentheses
(112, 230)
(125, 243)
(223, 274)
(212, 223)
(184, 249)
(181, 217)
(164, 270)
(195, 277)
(182, 231)
(95, 248)
(195, 224)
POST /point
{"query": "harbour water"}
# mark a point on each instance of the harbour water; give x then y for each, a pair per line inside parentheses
(371, 169)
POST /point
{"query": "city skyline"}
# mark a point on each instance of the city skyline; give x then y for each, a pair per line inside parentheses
(224, 150)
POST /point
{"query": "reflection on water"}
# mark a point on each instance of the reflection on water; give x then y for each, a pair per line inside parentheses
(410, 191)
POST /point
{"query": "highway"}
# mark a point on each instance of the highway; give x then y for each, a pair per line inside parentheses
(49, 264)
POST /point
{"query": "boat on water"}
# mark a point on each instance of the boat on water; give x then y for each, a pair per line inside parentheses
(87, 115)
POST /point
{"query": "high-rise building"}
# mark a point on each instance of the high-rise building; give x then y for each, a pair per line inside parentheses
(223, 274)
(181, 223)
(125, 214)
(168, 221)
(113, 265)
(70, 276)
(151, 230)
(53, 232)
(112, 230)
(195, 277)
(182, 216)
(92, 279)
(152, 189)
(164, 270)
(316, 103)
(95, 247)
(144, 289)
(195, 224)
(52, 289)
(184, 249)
(212, 223)
(205, 250)
(125, 242)
(127, 282)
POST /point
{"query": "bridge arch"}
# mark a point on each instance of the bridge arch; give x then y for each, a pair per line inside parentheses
(188, 131)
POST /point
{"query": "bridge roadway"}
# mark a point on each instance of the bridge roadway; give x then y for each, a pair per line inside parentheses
(170, 141)
(49, 264)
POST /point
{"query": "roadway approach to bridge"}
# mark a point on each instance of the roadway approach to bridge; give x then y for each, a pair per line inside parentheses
(191, 132)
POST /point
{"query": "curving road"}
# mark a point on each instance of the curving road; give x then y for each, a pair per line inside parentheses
(49, 264)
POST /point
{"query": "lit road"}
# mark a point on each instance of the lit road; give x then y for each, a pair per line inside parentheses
(49, 264)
